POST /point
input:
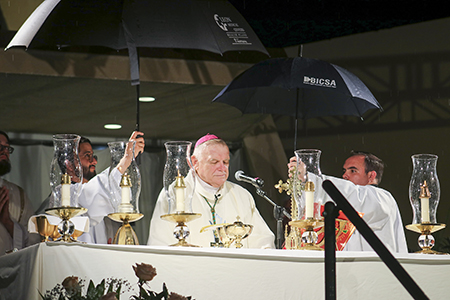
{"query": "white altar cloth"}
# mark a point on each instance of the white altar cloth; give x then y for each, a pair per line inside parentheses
(206, 273)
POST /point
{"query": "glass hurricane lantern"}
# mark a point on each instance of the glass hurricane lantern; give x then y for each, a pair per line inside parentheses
(424, 195)
(179, 185)
(307, 179)
(66, 178)
(125, 188)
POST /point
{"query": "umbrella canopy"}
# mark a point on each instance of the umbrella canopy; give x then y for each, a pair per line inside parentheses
(214, 26)
(299, 87)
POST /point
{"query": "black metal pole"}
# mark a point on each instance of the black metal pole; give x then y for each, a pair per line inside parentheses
(278, 215)
(408, 283)
(137, 106)
(278, 212)
(330, 213)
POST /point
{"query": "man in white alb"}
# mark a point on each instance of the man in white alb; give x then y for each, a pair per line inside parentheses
(216, 199)
(362, 174)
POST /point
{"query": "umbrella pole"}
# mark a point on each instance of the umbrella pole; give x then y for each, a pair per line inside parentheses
(137, 106)
(300, 54)
(295, 134)
(296, 121)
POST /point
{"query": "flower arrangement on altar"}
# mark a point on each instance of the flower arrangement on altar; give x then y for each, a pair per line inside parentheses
(72, 288)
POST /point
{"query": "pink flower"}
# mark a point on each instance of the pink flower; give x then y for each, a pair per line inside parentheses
(175, 296)
(144, 272)
(71, 285)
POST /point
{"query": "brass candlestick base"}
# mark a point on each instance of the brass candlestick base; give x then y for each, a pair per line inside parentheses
(66, 228)
(125, 235)
(309, 236)
(426, 240)
(181, 231)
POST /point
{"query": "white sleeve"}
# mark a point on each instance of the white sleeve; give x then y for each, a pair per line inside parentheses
(159, 233)
(95, 196)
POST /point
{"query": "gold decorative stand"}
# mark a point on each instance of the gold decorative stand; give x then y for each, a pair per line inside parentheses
(49, 231)
(309, 236)
(426, 240)
(181, 231)
(66, 228)
(292, 241)
(125, 235)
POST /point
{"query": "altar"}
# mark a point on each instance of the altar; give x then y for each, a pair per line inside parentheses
(211, 273)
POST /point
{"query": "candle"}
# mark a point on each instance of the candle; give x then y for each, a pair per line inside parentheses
(425, 203)
(65, 190)
(179, 192)
(125, 185)
(309, 199)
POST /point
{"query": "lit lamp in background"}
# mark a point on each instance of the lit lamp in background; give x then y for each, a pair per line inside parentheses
(424, 194)
(125, 187)
(307, 179)
(66, 177)
(179, 186)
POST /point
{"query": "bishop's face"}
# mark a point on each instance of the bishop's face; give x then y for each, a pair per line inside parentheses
(212, 165)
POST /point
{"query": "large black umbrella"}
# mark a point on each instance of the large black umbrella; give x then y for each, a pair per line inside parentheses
(214, 26)
(300, 87)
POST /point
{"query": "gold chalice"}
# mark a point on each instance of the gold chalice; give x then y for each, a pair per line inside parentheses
(45, 229)
(238, 231)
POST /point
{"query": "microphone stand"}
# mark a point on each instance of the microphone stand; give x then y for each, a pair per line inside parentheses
(278, 212)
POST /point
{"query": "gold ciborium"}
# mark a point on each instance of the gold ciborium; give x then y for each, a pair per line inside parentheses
(66, 228)
(125, 235)
(181, 231)
(238, 231)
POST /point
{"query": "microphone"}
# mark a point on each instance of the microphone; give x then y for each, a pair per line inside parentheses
(257, 182)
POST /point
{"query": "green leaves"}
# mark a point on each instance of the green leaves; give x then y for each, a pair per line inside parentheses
(71, 288)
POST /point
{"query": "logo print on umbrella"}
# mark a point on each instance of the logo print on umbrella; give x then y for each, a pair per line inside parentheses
(331, 83)
(220, 22)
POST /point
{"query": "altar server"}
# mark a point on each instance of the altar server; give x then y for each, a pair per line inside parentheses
(362, 172)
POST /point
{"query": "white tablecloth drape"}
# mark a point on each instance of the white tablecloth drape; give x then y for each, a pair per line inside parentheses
(206, 273)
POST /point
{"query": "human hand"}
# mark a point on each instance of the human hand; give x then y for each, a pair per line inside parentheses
(139, 146)
(293, 167)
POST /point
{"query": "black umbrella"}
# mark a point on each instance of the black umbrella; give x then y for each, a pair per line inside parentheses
(214, 26)
(300, 87)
